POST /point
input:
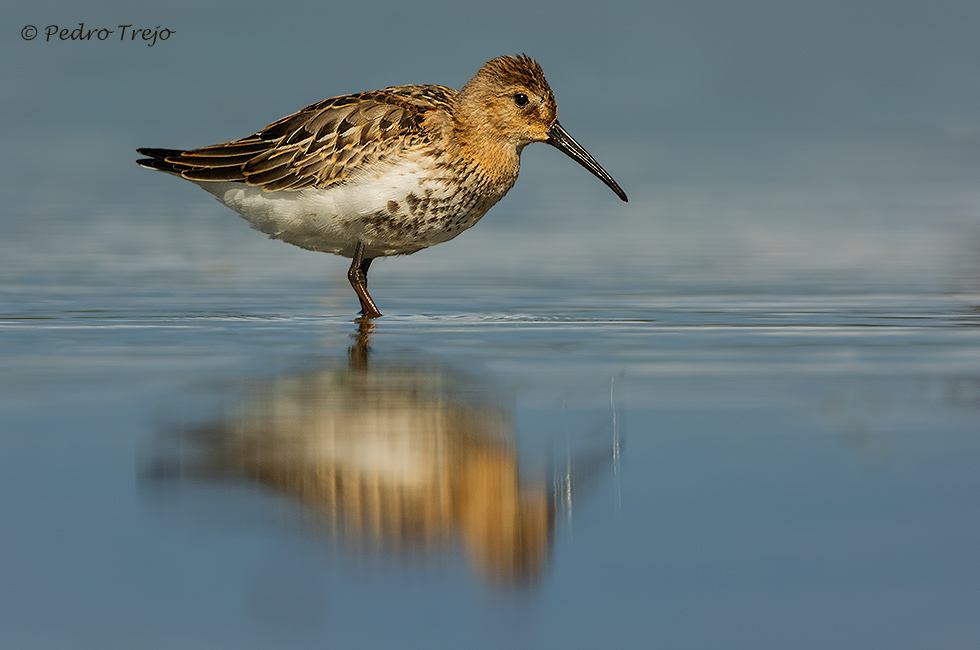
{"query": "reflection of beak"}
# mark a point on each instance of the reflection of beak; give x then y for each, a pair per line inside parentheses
(559, 138)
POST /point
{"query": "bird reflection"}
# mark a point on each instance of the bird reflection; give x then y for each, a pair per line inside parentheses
(391, 455)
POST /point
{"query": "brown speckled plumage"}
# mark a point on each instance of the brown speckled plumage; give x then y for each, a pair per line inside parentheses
(384, 172)
(319, 145)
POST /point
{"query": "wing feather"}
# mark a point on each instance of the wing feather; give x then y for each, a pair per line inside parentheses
(320, 145)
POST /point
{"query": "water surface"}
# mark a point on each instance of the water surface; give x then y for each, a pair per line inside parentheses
(739, 411)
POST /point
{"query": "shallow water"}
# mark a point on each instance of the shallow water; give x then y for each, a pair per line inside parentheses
(739, 411)
(753, 426)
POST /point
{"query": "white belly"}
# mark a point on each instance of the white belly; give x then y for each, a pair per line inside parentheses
(394, 209)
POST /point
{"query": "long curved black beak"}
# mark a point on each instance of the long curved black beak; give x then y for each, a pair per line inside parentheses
(559, 139)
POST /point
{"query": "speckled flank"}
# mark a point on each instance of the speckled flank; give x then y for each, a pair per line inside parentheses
(385, 172)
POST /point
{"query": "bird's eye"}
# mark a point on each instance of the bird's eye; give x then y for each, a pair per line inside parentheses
(520, 99)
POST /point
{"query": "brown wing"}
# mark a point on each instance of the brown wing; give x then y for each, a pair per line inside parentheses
(319, 145)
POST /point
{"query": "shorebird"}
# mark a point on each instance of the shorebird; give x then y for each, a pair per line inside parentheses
(384, 172)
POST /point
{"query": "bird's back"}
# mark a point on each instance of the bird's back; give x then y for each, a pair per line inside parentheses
(322, 144)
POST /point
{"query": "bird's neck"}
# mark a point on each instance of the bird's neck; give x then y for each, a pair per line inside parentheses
(495, 159)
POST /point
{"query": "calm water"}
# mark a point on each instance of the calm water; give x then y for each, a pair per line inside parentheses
(740, 432)
(739, 411)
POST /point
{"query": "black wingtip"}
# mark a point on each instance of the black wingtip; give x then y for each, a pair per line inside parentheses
(158, 159)
(158, 164)
(153, 152)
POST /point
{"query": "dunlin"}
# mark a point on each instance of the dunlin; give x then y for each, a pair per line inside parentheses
(385, 172)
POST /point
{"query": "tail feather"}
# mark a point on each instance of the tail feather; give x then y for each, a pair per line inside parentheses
(158, 159)
(208, 164)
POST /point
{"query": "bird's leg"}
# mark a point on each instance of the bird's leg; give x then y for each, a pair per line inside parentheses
(358, 279)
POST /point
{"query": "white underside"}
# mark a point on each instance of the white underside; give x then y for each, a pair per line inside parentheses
(333, 220)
